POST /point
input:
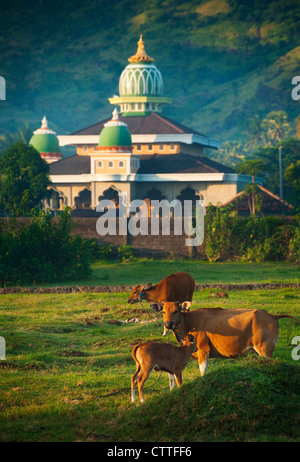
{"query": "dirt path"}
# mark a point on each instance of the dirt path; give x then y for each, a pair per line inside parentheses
(128, 288)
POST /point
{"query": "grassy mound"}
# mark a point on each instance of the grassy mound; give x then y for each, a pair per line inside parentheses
(250, 400)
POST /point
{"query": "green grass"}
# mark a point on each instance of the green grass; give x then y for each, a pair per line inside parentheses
(144, 270)
(68, 365)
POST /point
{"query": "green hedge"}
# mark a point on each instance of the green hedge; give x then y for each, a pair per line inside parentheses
(228, 236)
(43, 251)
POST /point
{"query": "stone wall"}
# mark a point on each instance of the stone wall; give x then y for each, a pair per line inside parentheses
(147, 245)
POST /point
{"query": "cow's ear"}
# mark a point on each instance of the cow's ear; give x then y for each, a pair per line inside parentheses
(156, 306)
(147, 286)
(185, 306)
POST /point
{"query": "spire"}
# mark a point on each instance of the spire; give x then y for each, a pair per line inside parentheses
(44, 128)
(141, 55)
(45, 123)
(115, 114)
(115, 121)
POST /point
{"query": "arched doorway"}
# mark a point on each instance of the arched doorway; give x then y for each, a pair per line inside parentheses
(189, 194)
(83, 200)
(152, 194)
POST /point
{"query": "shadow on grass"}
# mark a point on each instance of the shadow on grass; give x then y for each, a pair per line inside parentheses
(251, 400)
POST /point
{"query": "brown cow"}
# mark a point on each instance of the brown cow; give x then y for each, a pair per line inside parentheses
(160, 357)
(177, 286)
(223, 332)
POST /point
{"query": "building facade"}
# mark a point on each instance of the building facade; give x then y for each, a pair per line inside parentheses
(139, 152)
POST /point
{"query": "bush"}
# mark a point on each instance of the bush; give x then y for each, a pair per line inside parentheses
(294, 246)
(43, 251)
(125, 252)
(259, 239)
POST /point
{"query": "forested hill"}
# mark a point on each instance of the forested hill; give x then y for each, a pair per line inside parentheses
(222, 61)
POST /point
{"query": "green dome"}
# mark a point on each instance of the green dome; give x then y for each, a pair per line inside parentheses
(45, 140)
(115, 134)
(45, 143)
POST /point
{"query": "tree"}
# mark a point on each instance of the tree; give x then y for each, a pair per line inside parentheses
(23, 133)
(24, 178)
(254, 133)
(292, 175)
(252, 167)
(276, 127)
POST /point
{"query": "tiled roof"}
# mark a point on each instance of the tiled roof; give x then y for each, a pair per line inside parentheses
(167, 163)
(143, 125)
(180, 163)
(72, 165)
(269, 201)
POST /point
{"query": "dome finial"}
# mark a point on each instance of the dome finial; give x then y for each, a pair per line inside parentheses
(44, 123)
(115, 114)
(141, 55)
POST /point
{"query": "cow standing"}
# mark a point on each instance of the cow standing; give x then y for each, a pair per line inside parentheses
(177, 286)
(222, 332)
(160, 357)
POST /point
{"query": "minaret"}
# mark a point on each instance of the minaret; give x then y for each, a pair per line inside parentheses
(141, 85)
(46, 143)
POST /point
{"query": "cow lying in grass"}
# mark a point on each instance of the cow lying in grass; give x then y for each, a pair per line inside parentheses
(160, 357)
(222, 332)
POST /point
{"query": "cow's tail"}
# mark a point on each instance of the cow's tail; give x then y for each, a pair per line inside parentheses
(279, 316)
(133, 353)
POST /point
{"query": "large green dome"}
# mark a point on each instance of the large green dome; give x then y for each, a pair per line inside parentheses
(45, 140)
(115, 134)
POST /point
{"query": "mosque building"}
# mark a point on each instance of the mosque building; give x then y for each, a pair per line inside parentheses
(138, 151)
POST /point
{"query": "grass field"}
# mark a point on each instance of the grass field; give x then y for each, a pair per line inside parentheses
(68, 366)
(143, 271)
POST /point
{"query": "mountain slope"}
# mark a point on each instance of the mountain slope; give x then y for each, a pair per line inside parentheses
(222, 60)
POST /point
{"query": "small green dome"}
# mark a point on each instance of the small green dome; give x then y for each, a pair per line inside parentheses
(45, 140)
(45, 143)
(115, 134)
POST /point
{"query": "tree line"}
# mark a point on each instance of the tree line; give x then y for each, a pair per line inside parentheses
(268, 141)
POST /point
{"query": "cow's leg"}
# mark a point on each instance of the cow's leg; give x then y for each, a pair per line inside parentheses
(203, 361)
(171, 381)
(141, 380)
(178, 377)
(203, 352)
(134, 381)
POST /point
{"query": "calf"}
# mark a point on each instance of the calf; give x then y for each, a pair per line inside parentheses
(160, 357)
(223, 332)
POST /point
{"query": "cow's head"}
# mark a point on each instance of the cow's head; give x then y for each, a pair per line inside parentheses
(138, 293)
(190, 340)
(171, 312)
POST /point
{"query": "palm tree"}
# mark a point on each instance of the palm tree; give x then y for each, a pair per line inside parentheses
(255, 133)
(23, 133)
(276, 126)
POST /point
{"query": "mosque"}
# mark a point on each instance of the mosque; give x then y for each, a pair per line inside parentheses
(138, 151)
